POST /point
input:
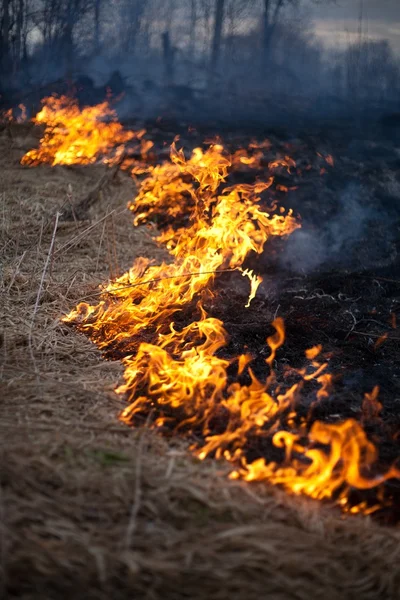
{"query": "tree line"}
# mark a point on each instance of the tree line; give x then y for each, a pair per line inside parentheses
(66, 29)
(235, 45)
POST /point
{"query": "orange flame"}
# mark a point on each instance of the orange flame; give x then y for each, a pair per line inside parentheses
(76, 136)
(179, 373)
(371, 407)
(7, 115)
(381, 340)
(224, 229)
(338, 457)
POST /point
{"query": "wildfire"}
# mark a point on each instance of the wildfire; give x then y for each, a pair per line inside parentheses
(77, 136)
(173, 351)
(224, 228)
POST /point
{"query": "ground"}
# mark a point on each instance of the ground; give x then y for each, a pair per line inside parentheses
(90, 508)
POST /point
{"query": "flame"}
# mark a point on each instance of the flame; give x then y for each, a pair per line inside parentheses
(179, 373)
(224, 228)
(337, 457)
(255, 281)
(381, 340)
(77, 136)
(371, 407)
(313, 352)
(7, 115)
(328, 159)
(20, 115)
(23, 113)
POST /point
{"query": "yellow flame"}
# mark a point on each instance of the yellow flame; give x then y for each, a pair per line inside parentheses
(179, 373)
(76, 136)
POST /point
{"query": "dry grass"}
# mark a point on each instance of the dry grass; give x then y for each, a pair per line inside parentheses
(91, 509)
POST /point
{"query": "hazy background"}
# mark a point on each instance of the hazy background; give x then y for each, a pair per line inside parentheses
(226, 58)
(337, 24)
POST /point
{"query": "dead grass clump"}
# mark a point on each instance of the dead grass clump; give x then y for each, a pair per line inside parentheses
(91, 509)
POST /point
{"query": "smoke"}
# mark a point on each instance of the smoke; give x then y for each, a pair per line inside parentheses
(163, 55)
(335, 242)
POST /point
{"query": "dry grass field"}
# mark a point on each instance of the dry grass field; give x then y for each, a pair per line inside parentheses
(91, 509)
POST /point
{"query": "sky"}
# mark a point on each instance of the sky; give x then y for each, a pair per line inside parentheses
(337, 24)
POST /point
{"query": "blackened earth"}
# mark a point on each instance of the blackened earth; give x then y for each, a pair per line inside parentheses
(335, 282)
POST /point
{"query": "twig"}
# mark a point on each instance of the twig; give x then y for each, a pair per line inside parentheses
(100, 245)
(137, 495)
(355, 322)
(156, 280)
(49, 255)
(112, 250)
(75, 240)
(21, 258)
(386, 279)
(374, 335)
(80, 210)
(3, 552)
(276, 312)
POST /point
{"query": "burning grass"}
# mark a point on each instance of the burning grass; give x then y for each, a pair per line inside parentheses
(75, 136)
(88, 506)
(178, 373)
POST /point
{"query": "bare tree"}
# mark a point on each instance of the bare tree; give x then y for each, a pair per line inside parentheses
(132, 12)
(97, 4)
(19, 22)
(216, 40)
(5, 36)
(57, 21)
(192, 29)
(272, 11)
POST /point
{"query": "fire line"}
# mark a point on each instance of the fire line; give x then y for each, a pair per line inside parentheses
(209, 226)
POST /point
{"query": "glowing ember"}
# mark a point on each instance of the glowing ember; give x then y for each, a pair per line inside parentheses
(77, 136)
(371, 407)
(180, 373)
(7, 115)
(20, 115)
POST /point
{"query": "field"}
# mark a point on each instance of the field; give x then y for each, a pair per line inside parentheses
(90, 508)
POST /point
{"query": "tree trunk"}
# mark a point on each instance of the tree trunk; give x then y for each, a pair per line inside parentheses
(97, 6)
(68, 50)
(192, 31)
(68, 40)
(270, 21)
(134, 14)
(5, 40)
(18, 35)
(216, 41)
(168, 54)
(266, 24)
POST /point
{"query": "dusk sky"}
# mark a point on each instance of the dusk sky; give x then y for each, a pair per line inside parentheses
(336, 24)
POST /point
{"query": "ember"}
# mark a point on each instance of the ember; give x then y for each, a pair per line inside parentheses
(156, 319)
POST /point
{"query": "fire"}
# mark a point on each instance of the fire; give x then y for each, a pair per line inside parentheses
(77, 136)
(23, 114)
(336, 458)
(9, 116)
(224, 228)
(178, 373)
(371, 407)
